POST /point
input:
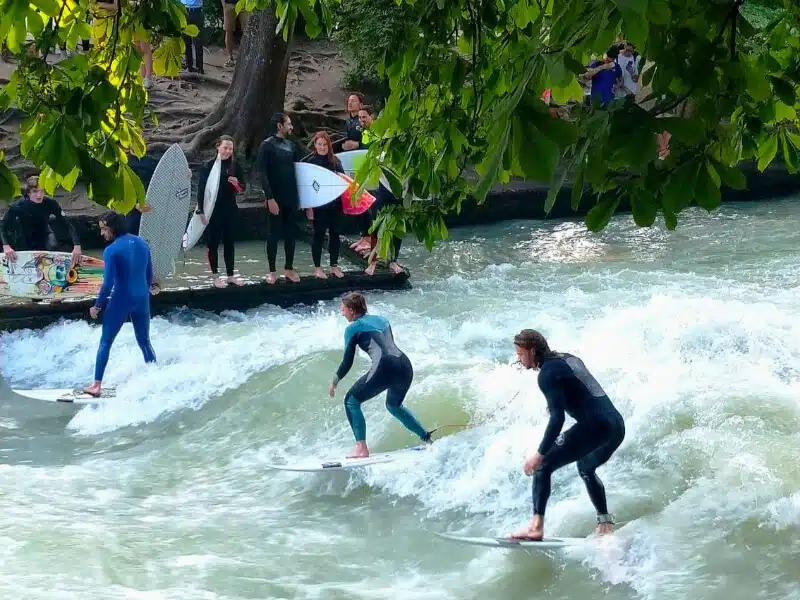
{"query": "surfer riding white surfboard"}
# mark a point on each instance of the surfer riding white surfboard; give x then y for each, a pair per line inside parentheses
(391, 372)
(570, 389)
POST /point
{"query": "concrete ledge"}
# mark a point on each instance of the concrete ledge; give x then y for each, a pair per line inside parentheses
(28, 315)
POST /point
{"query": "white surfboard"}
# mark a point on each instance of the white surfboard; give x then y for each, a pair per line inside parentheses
(317, 186)
(68, 395)
(345, 464)
(547, 543)
(169, 193)
(352, 161)
(196, 228)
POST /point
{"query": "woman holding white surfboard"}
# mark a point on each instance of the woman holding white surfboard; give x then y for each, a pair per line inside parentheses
(329, 216)
(219, 224)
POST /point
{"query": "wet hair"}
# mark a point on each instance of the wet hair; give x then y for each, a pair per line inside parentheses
(332, 160)
(276, 120)
(358, 95)
(357, 302)
(530, 339)
(115, 222)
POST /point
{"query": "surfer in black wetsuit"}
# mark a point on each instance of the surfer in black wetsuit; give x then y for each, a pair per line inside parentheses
(144, 167)
(328, 217)
(223, 217)
(276, 157)
(569, 389)
(26, 223)
(391, 371)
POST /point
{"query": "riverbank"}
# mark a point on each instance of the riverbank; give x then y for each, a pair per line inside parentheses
(514, 200)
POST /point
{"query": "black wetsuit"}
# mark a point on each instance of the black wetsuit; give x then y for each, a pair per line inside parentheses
(223, 217)
(276, 158)
(144, 167)
(391, 371)
(327, 218)
(570, 389)
(25, 226)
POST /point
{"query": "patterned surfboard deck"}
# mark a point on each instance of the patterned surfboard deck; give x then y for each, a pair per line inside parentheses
(169, 193)
(42, 274)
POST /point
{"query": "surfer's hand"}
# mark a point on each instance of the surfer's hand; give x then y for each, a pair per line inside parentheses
(332, 391)
(310, 214)
(9, 252)
(533, 463)
(76, 255)
(203, 219)
(94, 311)
(272, 206)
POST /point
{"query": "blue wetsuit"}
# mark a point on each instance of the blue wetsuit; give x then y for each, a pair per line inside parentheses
(599, 429)
(391, 371)
(125, 294)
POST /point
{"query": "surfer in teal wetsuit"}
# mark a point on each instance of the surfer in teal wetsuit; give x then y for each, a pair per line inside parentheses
(125, 293)
(570, 389)
(391, 372)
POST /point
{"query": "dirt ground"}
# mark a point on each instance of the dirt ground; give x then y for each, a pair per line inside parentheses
(313, 88)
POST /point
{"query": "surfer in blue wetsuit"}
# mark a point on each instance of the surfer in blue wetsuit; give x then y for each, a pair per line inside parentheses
(571, 390)
(125, 293)
(391, 372)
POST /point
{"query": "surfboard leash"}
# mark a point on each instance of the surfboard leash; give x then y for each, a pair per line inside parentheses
(475, 424)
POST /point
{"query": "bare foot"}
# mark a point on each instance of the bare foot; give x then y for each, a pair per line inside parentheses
(271, 278)
(220, 282)
(533, 532)
(235, 281)
(319, 273)
(370, 270)
(396, 268)
(94, 389)
(292, 275)
(364, 241)
(360, 450)
(337, 272)
(604, 529)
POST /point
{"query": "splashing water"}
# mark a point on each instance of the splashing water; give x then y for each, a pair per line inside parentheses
(694, 334)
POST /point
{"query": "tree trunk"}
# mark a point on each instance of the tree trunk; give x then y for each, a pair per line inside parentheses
(257, 91)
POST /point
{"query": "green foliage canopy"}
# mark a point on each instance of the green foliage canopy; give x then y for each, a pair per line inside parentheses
(466, 81)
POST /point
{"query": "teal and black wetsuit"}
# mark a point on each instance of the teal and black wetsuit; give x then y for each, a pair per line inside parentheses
(571, 389)
(391, 371)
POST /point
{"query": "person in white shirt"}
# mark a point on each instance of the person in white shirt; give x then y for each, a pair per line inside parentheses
(629, 63)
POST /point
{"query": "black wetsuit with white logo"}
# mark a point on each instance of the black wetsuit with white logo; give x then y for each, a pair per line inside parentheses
(570, 389)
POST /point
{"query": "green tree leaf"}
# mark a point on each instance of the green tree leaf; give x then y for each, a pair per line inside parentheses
(644, 208)
(706, 190)
(600, 214)
(9, 184)
(767, 152)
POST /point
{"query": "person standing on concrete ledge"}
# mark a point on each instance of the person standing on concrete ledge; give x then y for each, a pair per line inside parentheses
(276, 157)
(223, 218)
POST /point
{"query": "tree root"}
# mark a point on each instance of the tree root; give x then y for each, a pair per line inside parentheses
(205, 79)
(205, 135)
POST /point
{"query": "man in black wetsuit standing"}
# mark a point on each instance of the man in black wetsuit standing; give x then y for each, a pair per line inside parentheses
(26, 222)
(570, 389)
(276, 157)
